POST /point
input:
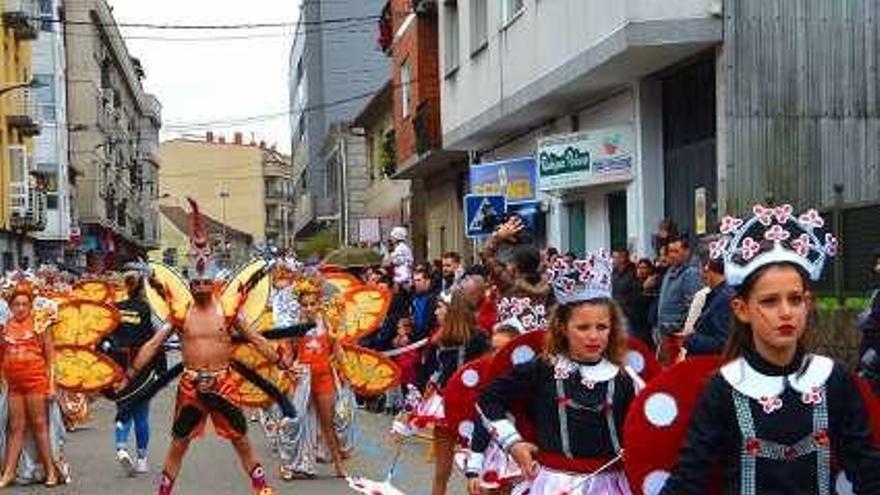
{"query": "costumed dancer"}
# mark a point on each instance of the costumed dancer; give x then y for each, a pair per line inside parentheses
(456, 342)
(317, 389)
(775, 415)
(489, 469)
(577, 393)
(135, 329)
(27, 354)
(207, 386)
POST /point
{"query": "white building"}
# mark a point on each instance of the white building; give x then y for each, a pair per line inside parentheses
(51, 157)
(517, 71)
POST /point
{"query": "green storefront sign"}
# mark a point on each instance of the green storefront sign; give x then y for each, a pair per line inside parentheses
(585, 158)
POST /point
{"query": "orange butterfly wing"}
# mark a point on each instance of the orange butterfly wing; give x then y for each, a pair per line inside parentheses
(257, 298)
(370, 373)
(249, 394)
(342, 281)
(93, 290)
(364, 311)
(84, 323)
(84, 371)
(179, 297)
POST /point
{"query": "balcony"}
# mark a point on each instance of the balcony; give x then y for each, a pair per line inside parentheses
(28, 201)
(153, 110)
(304, 213)
(22, 112)
(23, 16)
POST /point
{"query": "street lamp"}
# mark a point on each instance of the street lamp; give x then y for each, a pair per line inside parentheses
(32, 84)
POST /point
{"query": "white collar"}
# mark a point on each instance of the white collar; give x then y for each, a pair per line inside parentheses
(602, 371)
(751, 383)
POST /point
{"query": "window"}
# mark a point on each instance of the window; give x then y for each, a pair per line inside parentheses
(301, 128)
(45, 95)
(405, 88)
(46, 15)
(479, 25)
(510, 9)
(450, 35)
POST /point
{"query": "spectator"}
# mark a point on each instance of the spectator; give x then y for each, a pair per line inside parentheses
(424, 303)
(643, 308)
(399, 308)
(712, 328)
(666, 233)
(869, 320)
(624, 286)
(401, 257)
(452, 270)
(480, 297)
(516, 273)
(681, 282)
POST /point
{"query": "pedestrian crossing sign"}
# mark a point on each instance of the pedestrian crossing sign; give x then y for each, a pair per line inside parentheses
(483, 213)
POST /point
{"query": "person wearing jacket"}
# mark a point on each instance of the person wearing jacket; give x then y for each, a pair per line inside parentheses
(681, 282)
(712, 327)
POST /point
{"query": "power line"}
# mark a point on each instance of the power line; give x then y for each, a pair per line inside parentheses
(207, 27)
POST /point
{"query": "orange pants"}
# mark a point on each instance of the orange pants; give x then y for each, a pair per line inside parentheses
(223, 385)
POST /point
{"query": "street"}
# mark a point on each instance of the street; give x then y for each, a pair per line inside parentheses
(211, 466)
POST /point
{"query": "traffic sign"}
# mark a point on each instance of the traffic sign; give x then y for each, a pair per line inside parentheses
(483, 214)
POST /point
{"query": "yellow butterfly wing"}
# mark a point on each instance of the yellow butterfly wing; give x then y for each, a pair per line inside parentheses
(249, 394)
(93, 290)
(84, 323)
(84, 371)
(370, 373)
(178, 298)
(257, 298)
(341, 281)
(365, 308)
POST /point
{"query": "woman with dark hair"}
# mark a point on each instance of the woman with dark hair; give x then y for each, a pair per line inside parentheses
(775, 415)
(643, 315)
(577, 393)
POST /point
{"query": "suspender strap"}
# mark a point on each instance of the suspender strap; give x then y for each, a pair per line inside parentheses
(609, 417)
(748, 461)
(563, 419)
(823, 452)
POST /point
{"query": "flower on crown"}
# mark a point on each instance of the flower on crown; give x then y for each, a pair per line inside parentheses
(773, 235)
(582, 279)
(521, 313)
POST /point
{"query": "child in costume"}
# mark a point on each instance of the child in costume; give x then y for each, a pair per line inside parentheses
(577, 393)
(775, 414)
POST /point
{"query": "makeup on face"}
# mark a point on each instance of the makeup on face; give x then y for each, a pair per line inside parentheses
(587, 331)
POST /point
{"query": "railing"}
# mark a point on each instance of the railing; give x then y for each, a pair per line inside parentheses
(23, 16)
(22, 112)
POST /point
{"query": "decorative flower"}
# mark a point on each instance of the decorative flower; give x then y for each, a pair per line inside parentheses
(730, 224)
(716, 248)
(561, 371)
(783, 213)
(770, 404)
(528, 321)
(590, 384)
(540, 310)
(821, 438)
(801, 245)
(814, 396)
(567, 285)
(831, 245)
(812, 218)
(764, 215)
(753, 446)
(749, 248)
(776, 233)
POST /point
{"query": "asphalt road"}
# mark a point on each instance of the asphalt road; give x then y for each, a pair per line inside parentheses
(211, 466)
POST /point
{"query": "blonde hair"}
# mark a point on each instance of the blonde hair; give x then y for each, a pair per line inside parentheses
(459, 324)
(557, 340)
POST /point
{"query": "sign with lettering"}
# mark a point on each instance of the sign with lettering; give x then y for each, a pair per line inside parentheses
(514, 179)
(586, 158)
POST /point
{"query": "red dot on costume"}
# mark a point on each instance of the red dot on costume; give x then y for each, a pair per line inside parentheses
(490, 476)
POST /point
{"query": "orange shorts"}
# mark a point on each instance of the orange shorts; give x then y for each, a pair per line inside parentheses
(223, 385)
(26, 377)
(322, 380)
(316, 353)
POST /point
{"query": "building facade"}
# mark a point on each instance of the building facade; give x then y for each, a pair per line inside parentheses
(248, 186)
(114, 130)
(438, 174)
(388, 200)
(336, 66)
(51, 149)
(344, 158)
(22, 209)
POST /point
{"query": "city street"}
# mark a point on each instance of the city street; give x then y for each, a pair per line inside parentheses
(211, 466)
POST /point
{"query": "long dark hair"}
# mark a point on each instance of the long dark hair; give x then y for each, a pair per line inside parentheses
(741, 338)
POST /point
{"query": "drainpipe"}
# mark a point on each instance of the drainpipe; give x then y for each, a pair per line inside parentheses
(343, 204)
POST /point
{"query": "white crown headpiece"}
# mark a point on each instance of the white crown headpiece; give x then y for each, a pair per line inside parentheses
(583, 279)
(773, 235)
(521, 313)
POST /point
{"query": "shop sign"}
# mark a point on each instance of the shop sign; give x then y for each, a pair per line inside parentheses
(514, 179)
(586, 158)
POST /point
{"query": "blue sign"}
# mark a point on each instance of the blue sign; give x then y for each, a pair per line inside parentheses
(515, 179)
(482, 214)
(530, 212)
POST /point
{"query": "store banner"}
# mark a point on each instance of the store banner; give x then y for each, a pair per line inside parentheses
(514, 179)
(586, 158)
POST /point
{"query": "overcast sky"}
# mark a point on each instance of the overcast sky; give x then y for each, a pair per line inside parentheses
(217, 79)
